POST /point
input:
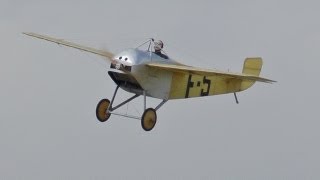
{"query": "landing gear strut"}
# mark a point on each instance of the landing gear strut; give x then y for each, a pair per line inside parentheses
(148, 119)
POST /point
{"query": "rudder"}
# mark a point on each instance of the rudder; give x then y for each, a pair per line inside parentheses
(251, 66)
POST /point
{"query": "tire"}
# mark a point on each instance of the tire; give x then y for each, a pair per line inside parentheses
(149, 119)
(101, 110)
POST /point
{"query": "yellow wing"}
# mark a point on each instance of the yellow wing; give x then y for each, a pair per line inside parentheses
(100, 52)
(190, 81)
(207, 72)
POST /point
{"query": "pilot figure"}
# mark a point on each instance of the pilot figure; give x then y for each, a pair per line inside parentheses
(158, 45)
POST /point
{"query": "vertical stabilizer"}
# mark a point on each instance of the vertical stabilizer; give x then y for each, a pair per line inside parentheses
(251, 66)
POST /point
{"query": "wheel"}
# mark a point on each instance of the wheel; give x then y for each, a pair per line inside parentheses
(101, 110)
(149, 119)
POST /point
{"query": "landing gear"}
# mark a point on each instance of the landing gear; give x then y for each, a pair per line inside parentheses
(102, 110)
(148, 118)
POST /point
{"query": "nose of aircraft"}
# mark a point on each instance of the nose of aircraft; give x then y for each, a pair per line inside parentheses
(122, 61)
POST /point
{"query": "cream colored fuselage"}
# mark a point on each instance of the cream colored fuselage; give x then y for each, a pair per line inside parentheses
(167, 85)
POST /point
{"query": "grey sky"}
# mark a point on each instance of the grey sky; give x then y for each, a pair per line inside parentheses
(48, 95)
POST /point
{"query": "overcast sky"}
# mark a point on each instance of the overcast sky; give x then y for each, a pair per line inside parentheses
(48, 94)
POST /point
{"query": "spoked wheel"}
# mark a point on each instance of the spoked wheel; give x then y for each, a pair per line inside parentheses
(101, 110)
(149, 119)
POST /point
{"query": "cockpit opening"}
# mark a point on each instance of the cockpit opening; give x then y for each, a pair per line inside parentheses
(155, 47)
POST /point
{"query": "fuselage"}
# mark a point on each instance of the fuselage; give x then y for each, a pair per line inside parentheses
(135, 77)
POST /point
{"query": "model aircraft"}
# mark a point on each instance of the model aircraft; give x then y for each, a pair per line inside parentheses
(151, 73)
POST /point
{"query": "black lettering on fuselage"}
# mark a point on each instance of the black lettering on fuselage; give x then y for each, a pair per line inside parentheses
(203, 92)
(189, 85)
(208, 82)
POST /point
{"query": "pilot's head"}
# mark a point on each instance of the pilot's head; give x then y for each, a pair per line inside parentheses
(158, 45)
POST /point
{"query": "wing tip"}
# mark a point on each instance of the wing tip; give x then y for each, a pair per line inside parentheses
(30, 34)
(27, 33)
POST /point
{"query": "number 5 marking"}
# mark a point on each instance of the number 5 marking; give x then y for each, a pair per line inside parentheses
(208, 82)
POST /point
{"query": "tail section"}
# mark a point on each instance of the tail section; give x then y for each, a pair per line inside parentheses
(251, 66)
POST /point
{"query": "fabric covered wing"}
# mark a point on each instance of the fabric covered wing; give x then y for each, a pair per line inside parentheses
(103, 53)
(207, 72)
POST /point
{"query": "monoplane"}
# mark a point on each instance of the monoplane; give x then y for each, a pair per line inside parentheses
(150, 72)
